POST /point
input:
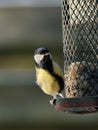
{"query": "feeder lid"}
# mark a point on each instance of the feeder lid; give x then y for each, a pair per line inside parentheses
(79, 105)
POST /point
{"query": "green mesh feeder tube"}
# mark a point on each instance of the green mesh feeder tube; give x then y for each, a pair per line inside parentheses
(80, 47)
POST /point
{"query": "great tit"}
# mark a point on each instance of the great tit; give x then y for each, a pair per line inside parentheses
(49, 76)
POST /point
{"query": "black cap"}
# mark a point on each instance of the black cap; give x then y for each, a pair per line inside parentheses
(41, 50)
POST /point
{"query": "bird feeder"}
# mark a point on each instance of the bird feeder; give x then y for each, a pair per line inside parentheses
(80, 47)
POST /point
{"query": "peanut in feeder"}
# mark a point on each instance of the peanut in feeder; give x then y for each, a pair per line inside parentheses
(80, 46)
(81, 80)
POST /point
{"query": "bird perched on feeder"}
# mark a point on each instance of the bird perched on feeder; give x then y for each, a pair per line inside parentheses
(49, 76)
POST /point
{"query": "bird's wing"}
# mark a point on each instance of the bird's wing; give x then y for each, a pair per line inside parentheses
(57, 69)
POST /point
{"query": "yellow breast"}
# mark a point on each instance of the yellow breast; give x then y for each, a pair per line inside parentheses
(47, 82)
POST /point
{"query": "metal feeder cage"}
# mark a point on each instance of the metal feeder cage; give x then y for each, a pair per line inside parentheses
(80, 47)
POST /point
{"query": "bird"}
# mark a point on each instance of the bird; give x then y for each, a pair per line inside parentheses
(49, 76)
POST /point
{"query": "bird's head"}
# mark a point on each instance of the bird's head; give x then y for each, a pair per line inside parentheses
(42, 58)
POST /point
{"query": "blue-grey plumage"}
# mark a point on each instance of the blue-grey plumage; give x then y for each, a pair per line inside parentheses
(49, 76)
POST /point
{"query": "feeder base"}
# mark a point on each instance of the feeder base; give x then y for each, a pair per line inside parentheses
(80, 105)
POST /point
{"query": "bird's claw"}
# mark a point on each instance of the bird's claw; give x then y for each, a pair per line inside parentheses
(58, 96)
(52, 102)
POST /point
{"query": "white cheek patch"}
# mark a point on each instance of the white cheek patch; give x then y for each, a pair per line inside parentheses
(38, 58)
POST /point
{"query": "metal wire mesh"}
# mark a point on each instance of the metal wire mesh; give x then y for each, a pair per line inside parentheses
(80, 46)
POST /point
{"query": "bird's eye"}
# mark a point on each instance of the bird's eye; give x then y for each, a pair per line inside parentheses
(42, 52)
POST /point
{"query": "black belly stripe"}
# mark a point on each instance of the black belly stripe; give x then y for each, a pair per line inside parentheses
(59, 80)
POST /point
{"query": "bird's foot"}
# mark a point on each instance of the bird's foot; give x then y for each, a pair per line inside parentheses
(52, 102)
(58, 96)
